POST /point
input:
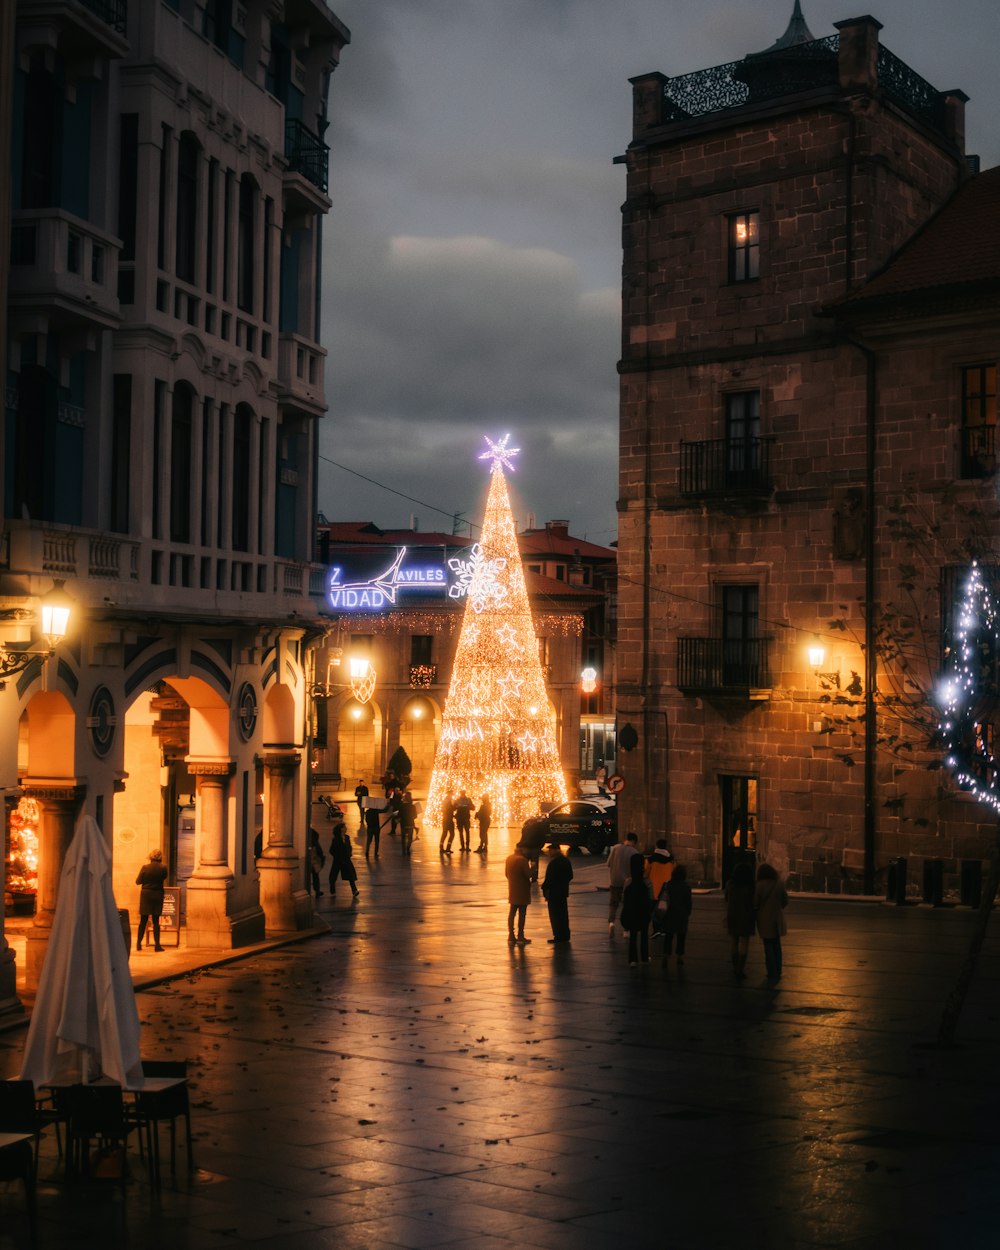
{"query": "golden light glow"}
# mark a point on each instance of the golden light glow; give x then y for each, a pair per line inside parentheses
(817, 654)
(497, 732)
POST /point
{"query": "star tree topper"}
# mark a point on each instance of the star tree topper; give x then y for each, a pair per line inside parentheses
(500, 454)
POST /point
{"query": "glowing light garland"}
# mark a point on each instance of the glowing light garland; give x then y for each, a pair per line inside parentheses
(497, 734)
(968, 694)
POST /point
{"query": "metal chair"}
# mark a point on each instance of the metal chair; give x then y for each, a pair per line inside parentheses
(22, 1112)
(96, 1112)
(156, 1107)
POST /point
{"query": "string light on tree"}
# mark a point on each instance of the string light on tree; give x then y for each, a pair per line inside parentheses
(497, 734)
(968, 694)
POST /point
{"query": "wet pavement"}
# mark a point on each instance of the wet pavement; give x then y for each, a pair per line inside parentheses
(407, 1079)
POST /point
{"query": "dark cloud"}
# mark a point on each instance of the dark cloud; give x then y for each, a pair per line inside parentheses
(472, 257)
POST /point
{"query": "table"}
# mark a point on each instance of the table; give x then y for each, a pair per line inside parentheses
(15, 1162)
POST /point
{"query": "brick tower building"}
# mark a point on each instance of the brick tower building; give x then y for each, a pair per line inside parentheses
(805, 413)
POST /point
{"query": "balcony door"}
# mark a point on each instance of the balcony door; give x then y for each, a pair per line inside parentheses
(740, 636)
(743, 454)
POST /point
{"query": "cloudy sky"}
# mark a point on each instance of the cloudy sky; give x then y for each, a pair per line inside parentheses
(472, 256)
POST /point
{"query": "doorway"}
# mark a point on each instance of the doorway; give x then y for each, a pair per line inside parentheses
(739, 822)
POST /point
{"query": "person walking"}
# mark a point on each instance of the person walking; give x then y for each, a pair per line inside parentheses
(619, 873)
(341, 861)
(151, 879)
(659, 869)
(447, 824)
(408, 809)
(395, 807)
(678, 915)
(770, 900)
(740, 916)
(360, 794)
(373, 830)
(555, 891)
(637, 904)
(463, 820)
(517, 870)
(483, 817)
(315, 860)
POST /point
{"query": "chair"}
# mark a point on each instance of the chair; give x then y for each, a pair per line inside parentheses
(95, 1112)
(20, 1112)
(17, 1162)
(156, 1107)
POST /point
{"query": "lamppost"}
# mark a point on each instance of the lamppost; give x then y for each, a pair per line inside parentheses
(55, 613)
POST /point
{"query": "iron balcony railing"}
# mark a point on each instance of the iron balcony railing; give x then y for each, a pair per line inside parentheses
(734, 666)
(113, 12)
(726, 466)
(306, 153)
(801, 67)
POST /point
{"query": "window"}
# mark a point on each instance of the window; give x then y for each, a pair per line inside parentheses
(245, 244)
(743, 443)
(241, 478)
(181, 430)
(421, 648)
(121, 452)
(188, 153)
(979, 420)
(744, 247)
(741, 644)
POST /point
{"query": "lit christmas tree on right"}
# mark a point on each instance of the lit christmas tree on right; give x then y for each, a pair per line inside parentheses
(497, 732)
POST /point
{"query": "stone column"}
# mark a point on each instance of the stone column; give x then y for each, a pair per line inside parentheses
(209, 889)
(59, 801)
(286, 901)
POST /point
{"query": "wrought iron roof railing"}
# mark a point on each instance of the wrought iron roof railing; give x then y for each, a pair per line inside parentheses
(800, 67)
(306, 153)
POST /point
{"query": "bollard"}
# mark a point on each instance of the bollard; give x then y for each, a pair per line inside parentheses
(895, 881)
(934, 882)
(970, 882)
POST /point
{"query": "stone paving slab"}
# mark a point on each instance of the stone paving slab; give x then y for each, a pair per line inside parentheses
(404, 1078)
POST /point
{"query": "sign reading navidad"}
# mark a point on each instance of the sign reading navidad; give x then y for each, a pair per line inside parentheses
(365, 586)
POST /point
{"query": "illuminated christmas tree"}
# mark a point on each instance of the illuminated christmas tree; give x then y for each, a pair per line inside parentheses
(497, 732)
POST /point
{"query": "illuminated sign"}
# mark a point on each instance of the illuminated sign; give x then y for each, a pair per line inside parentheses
(352, 593)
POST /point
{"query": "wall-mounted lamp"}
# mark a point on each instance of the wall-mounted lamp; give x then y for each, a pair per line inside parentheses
(817, 655)
(55, 613)
(588, 680)
(362, 678)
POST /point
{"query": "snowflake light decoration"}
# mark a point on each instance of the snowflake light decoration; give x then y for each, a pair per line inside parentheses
(500, 454)
(478, 578)
(968, 694)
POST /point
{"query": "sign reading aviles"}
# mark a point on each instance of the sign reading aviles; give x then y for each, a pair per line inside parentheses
(418, 570)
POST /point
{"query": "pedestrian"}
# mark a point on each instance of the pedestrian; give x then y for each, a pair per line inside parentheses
(637, 904)
(659, 869)
(678, 915)
(341, 860)
(619, 873)
(447, 824)
(740, 916)
(395, 806)
(408, 809)
(483, 817)
(373, 829)
(555, 891)
(463, 819)
(517, 870)
(151, 877)
(770, 900)
(360, 794)
(315, 860)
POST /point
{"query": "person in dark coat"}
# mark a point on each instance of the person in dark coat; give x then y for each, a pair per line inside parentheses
(770, 899)
(341, 863)
(447, 825)
(151, 878)
(678, 913)
(637, 906)
(373, 830)
(315, 859)
(463, 819)
(555, 891)
(517, 870)
(360, 794)
(740, 916)
(407, 820)
(483, 817)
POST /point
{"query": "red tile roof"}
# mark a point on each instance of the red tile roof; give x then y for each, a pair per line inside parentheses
(957, 247)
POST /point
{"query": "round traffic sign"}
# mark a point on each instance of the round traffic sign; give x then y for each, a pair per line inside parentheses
(616, 783)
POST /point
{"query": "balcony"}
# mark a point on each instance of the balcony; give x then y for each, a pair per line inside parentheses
(734, 668)
(65, 266)
(301, 370)
(726, 467)
(423, 676)
(85, 29)
(306, 154)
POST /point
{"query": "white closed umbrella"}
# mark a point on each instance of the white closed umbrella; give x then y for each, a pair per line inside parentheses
(85, 1022)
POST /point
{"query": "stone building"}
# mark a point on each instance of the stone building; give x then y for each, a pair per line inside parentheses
(410, 637)
(808, 410)
(163, 384)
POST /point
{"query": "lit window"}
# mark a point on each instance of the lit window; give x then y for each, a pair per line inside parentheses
(979, 420)
(744, 247)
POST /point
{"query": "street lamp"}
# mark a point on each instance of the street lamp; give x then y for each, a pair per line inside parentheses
(55, 614)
